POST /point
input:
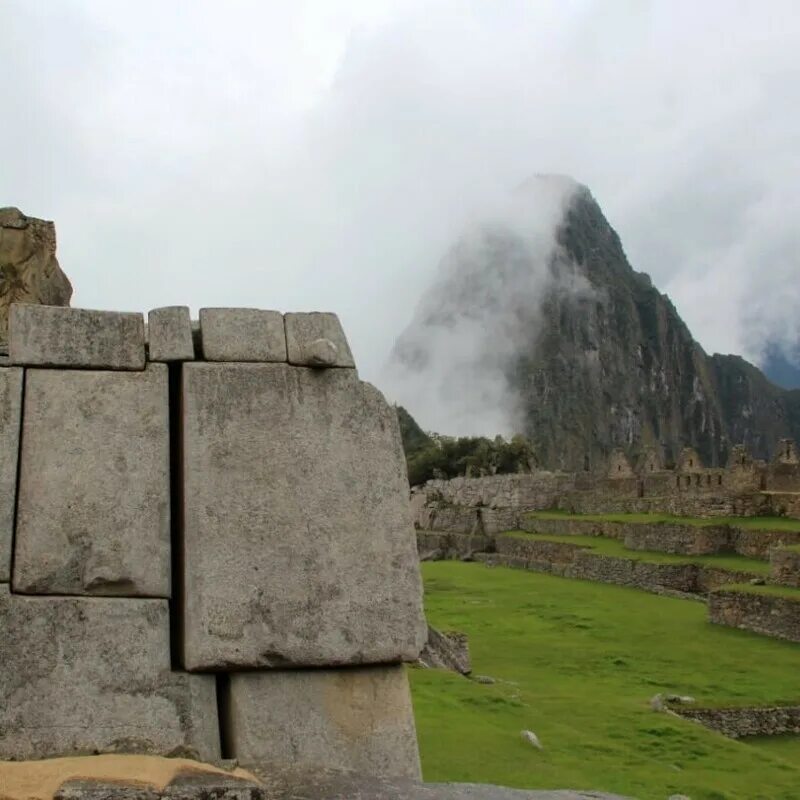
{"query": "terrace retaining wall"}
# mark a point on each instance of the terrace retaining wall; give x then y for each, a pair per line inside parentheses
(737, 723)
(785, 567)
(768, 614)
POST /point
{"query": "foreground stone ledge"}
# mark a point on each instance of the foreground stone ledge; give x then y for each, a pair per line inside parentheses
(53, 336)
(149, 778)
(94, 505)
(296, 502)
(316, 339)
(356, 718)
(170, 334)
(10, 413)
(92, 675)
(242, 334)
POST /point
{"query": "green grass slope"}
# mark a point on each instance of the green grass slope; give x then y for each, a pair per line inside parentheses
(576, 662)
(747, 523)
(604, 546)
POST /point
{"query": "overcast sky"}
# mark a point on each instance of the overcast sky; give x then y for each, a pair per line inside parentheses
(322, 154)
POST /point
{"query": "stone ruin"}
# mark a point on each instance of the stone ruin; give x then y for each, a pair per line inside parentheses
(206, 546)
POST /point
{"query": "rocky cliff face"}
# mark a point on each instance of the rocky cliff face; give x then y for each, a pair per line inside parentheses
(598, 357)
(29, 271)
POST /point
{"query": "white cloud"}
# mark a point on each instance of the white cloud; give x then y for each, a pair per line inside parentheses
(319, 155)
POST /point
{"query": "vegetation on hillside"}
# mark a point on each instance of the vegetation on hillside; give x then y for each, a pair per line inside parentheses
(434, 456)
(576, 662)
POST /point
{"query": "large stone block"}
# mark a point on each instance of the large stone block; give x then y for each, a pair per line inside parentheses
(299, 548)
(355, 718)
(317, 339)
(10, 411)
(94, 513)
(170, 334)
(86, 675)
(242, 334)
(52, 336)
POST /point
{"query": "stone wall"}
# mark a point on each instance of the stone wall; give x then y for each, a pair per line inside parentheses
(768, 614)
(579, 561)
(440, 546)
(742, 489)
(205, 542)
(785, 566)
(741, 722)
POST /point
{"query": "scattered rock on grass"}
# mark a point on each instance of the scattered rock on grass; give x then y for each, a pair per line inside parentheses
(531, 738)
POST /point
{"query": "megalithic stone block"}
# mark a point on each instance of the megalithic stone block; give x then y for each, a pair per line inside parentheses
(53, 336)
(355, 718)
(242, 334)
(316, 339)
(10, 412)
(83, 675)
(298, 542)
(94, 508)
(170, 334)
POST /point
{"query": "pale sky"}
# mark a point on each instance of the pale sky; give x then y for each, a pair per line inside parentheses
(323, 155)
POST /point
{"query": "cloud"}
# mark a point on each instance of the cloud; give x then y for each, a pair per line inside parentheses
(320, 155)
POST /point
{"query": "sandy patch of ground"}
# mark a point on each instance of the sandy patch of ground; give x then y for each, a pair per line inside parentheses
(39, 780)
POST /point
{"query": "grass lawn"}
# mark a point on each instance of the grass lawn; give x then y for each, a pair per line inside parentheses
(749, 523)
(614, 547)
(787, 747)
(576, 662)
(789, 592)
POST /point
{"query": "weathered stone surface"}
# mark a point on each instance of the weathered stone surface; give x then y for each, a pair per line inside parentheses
(170, 334)
(299, 548)
(316, 339)
(279, 782)
(93, 512)
(746, 721)
(84, 675)
(446, 650)
(51, 336)
(329, 784)
(29, 271)
(764, 613)
(10, 412)
(242, 334)
(357, 718)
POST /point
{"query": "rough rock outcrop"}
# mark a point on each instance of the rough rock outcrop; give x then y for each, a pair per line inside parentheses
(29, 271)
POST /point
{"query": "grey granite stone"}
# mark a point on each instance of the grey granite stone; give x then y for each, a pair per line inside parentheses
(299, 548)
(89, 674)
(10, 412)
(356, 718)
(316, 339)
(242, 334)
(93, 511)
(170, 334)
(279, 782)
(54, 336)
